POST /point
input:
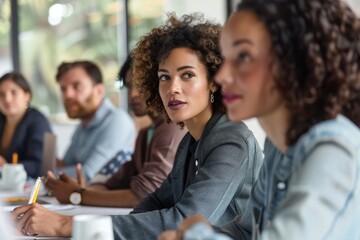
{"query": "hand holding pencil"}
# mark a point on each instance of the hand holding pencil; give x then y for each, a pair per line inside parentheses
(33, 196)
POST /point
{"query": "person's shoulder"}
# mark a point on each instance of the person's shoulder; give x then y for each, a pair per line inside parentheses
(339, 131)
(169, 132)
(36, 115)
(226, 128)
(120, 113)
(36, 120)
(220, 131)
(117, 115)
(340, 126)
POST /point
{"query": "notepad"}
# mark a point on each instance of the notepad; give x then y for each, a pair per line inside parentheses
(34, 237)
(52, 207)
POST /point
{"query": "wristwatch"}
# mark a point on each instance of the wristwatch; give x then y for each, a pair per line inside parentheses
(76, 197)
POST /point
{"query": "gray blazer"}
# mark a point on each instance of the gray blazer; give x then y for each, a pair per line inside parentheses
(229, 160)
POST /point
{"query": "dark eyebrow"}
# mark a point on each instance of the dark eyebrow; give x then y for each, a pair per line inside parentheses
(183, 67)
(242, 41)
(178, 69)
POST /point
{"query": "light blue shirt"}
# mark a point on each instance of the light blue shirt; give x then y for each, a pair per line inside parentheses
(110, 131)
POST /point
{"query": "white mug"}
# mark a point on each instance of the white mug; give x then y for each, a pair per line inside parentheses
(13, 177)
(92, 227)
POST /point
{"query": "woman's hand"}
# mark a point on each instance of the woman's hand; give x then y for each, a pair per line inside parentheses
(169, 235)
(185, 225)
(36, 220)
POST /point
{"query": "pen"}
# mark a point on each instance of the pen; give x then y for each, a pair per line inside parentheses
(35, 191)
(15, 158)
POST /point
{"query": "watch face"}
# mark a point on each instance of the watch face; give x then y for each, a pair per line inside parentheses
(75, 198)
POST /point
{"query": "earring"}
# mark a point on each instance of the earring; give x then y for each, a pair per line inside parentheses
(212, 97)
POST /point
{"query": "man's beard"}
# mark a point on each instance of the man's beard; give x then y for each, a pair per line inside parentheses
(82, 110)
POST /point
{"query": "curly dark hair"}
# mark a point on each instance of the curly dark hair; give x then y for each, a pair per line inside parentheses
(190, 31)
(316, 44)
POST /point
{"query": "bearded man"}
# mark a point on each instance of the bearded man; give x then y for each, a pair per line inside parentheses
(103, 130)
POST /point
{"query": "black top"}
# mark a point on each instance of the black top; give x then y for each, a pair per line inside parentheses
(27, 140)
(192, 163)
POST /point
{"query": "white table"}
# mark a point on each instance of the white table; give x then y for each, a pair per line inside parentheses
(71, 210)
(78, 209)
(65, 209)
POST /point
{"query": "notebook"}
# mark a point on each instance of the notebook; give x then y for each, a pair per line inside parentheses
(6, 228)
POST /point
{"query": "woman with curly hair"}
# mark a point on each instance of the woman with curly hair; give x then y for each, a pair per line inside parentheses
(295, 66)
(217, 162)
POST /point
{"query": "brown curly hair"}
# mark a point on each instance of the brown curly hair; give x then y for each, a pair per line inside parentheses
(316, 44)
(190, 31)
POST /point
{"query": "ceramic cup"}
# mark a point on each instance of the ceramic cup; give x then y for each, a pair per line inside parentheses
(92, 227)
(13, 177)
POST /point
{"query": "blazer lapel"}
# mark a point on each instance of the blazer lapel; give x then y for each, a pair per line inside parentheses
(206, 133)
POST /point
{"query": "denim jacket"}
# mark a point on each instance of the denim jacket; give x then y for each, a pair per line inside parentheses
(310, 192)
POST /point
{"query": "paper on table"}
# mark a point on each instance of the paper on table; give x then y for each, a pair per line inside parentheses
(34, 237)
(52, 207)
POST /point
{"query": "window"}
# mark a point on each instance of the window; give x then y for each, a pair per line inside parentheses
(55, 31)
(143, 16)
(5, 48)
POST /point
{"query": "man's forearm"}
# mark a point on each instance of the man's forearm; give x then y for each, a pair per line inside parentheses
(112, 198)
(97, 186)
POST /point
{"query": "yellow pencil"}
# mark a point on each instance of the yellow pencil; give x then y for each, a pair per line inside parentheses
(15, 158)
(14, 199)
(35, 191)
